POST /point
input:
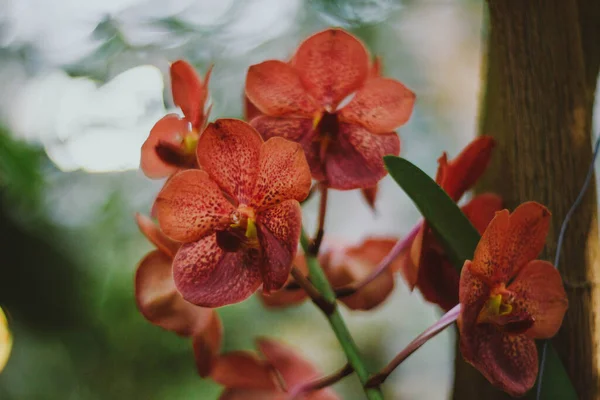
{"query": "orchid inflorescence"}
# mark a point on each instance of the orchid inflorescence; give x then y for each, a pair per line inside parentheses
(228, 221)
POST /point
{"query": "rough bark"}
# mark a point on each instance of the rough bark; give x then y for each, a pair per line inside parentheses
(539, 82)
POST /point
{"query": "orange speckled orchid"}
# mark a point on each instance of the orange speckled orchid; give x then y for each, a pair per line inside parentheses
(239, 217)
(248, 377)
(301, 100)
(161, 304)
(427, 266)
(171, 144)
(509, 299)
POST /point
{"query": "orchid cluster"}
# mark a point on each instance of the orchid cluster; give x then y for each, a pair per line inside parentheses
(228, 223)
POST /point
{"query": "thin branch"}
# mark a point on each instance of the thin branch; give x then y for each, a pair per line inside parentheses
(445, 321)
(321, 383)
(398, 248)
(326, 306)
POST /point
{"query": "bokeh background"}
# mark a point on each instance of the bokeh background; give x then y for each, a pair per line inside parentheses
(81, 84)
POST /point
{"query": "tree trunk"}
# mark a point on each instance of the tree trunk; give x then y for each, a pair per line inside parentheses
(541, 72)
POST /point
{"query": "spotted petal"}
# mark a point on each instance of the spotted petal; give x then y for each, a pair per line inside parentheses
(189, 93)
(380, 106)
(279, 233)
(207, 276)
(275, 89)
(169, 129)
(331, 64)
(160, 303)
(190, 205)
(229, 150)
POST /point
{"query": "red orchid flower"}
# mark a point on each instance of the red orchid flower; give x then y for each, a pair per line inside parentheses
(427, 266)
(161, 304)
(345, 265)
(171, 144)
(508, 299)
(248, 377)
(302, 101)
(239, 216)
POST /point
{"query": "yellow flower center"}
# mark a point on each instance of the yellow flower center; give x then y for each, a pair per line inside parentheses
(189, 142)
(496, 306)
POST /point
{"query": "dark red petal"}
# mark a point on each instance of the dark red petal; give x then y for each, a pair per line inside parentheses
(331, 64)
(539, 292)
(158, 300)
(299, 130)
(283, 174)
(155, 236)
(243, 370)
(190, 205)
(355, 158)
(291, 366)
(275, 89)
(370, 195)
(209, 277)
(473, 292)
(251, 394)
(438, 280)
(169, 129)
(287, 297)
(481, 209)
(488, 259)
(228, 150)
(206, 345)
(279, 233)
(380, 106)
(189, 93)
(250, 110)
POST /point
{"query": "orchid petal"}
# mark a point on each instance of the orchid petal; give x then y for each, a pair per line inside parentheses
(370, 195)
(380, 106)
(481, 210)
(291, 366)
(190, 205)
(206, 345)
(243, 370)
(207, 276)
(275, 89)
(189, 93)
(169, 129)
(251, 394)
(155, 236)
(228, 150)
(250, 110)
(331, 64)
(285, 297)
(355, 159)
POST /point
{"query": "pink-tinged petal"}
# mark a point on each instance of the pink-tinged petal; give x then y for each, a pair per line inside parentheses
(229, 150)
(170, 130)
(331, 64)
(160, 303)
(481, 210)
(190, 206)
(509, 362)
(250, 110)
(380, 106)
(244, 370)
(206, 345)
(189, 93)
(210, 277)
(283, 174)
(370, 195)
(250, 394)
(287, 297)
(155, 236)
(275, 89)
(299, 130)
(279, 232)
(355, 159)
(539, 292)
(291, 366)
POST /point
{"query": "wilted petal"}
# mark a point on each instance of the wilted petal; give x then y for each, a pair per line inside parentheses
(6, 340)
(229, 150)
(189, 93)
(370, 195)
(275, 89)
(299, 130)
(460, 174)
(381, 106)
(283, 174)
(509, 362)
(155, 236)
(331, 64)
(539, 292)
(160, 303)
(209, 277)
(207, 343)
(355, 159)
(190, 205)
(481, 209)
(169, 129)
(279, 233)
(243, 370)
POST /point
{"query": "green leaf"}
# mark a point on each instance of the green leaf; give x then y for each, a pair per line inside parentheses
(459, 238)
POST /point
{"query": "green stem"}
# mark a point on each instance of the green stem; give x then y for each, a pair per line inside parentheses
(319, 280)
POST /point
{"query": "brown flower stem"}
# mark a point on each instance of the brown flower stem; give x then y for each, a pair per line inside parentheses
(398, 248)
(326, 306)
(336, 321)
(445, 321)
(321, 383)
(316, 243)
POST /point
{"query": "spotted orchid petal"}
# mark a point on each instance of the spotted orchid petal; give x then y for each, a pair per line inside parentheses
(189, 92)
(169, 130)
